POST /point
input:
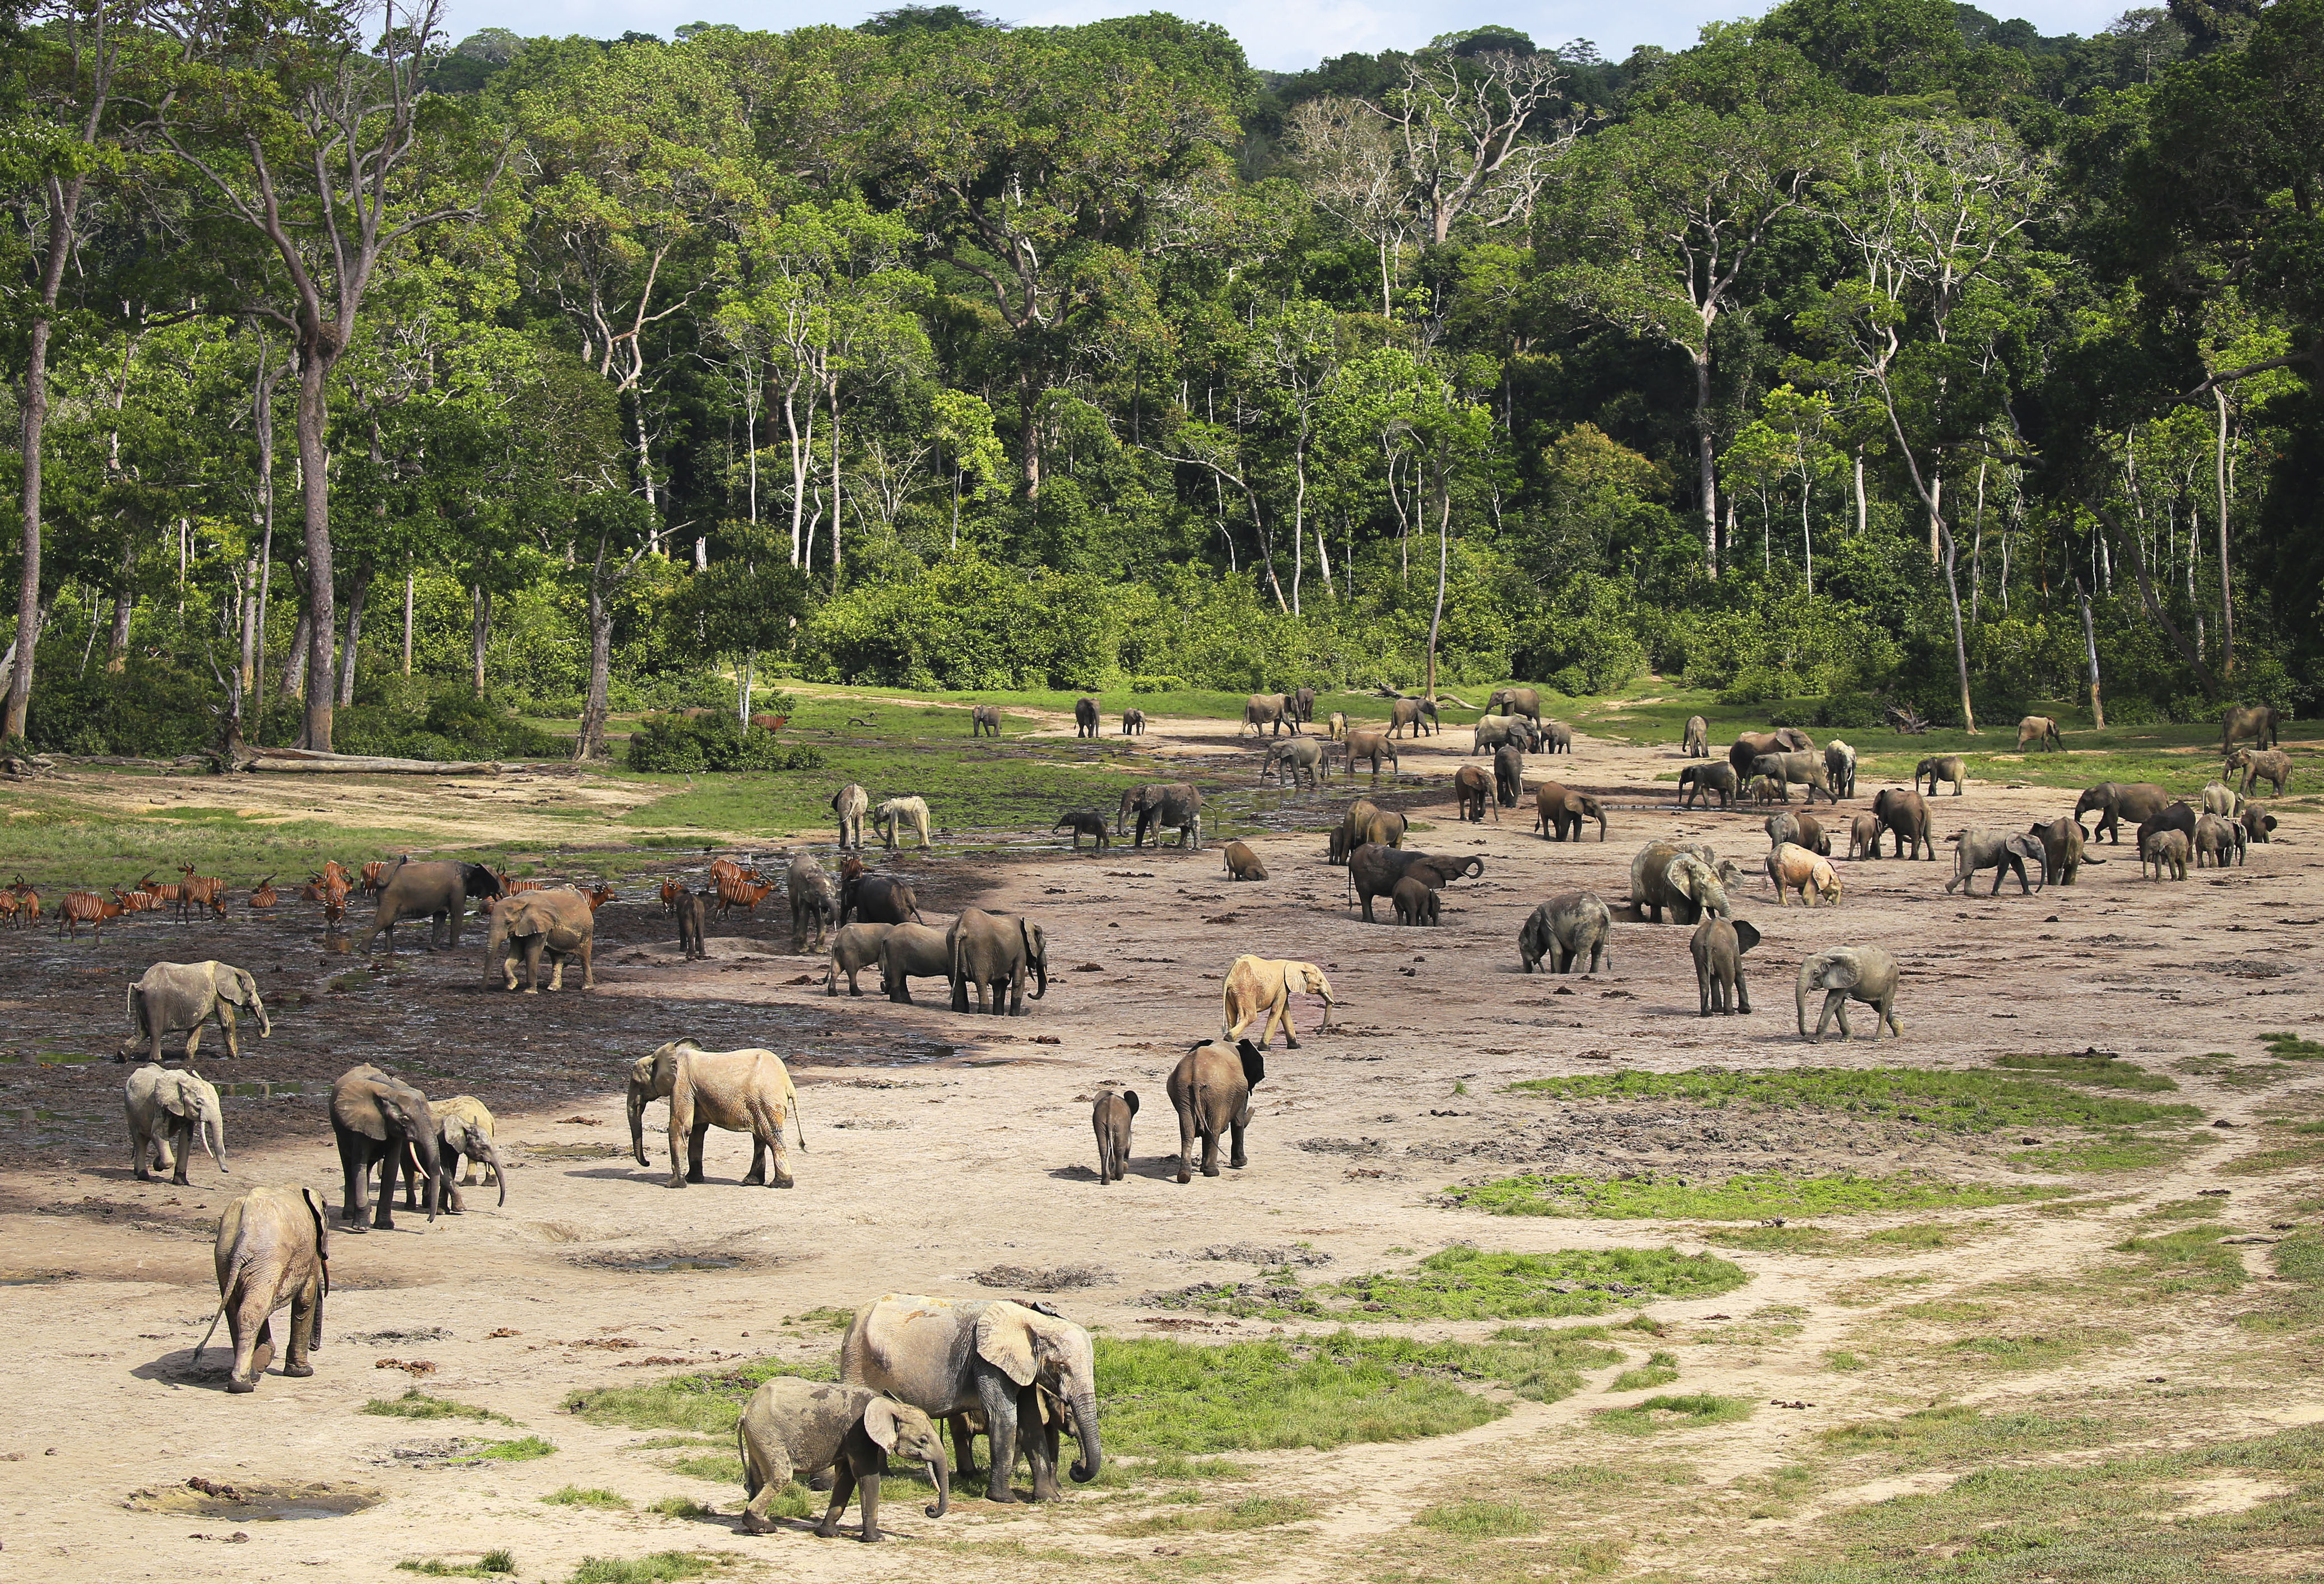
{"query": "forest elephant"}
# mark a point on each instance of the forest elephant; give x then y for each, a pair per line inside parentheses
(1364, 822)
(1168, 805)
(2061, 849)
(1696, 742)
(1371, 747)
(2116, 801)
(1300, 756)
(1303, 705)
(909, 952)
(1690, 880)
(1374, 870)
(273, 1248)
(1335, 726)
(1940, 767)
(1133, 723)
(1702, 780)
(1418, 715)
(892, 818)
(2217, 797)
(171, 996)
(1801, 829)
(1556, 737)
(693, 911)
(2162, 848)
(879, 898)
(747, 1090)
(794, 1427)
(1084, 822)
(380, 1121)
(1515, 701)
(1110, 1118)
(1242, 863)
(1259, 990)
(2260, 724)
(1839, 768)
(559, 923)
(1845, 975)
(1791, 868)
(1796, 768)
(2006, 852)
(1086, 717)
(1491, 730)
(992, 954)
(983, 720)
(1904, 816)
(985, 1359)
(464, 1128)
(854, 948)
(437, 892)
(1508, 776)
(2256, 821)
(2273, 766)
(1210, 1089)
(165, 1110)
(1864, 837)
(1718, 945)
(1266, 714)
(1572, 931)
(850, 804)
(2216, 841)
(1415, 902)
(1472, 793)
(813, 901)
(1558, 813)
(1751, 746)
(2039, 729)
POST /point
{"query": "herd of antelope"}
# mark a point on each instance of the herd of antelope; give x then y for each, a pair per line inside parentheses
(331, 886)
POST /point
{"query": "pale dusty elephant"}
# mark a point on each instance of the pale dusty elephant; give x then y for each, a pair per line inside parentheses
(1259, 990)
(1791, 868)
(898, 815)
(171, 996)
(2217, 797)
(744, 1091)
(464, 1127)
(849, 803)
(273, 1249)
(794, 1427)
(558, 922)
(1845, 975)
(951, 1358)
(164, 1108)
(1697, 744)
(2039, 729)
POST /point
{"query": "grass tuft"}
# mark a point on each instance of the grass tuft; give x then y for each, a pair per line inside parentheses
(489, 1565)
(1658, 1413)
(1479, 1520)
(1947, 1102)
(1748, 1197)
(574, 1496)
(710, 1403)
(683, 1506)
(1660, 1369)
(1462, 1282)
(515, 1451)
(657, 1569)
(2102, 1071)
(416, 1403)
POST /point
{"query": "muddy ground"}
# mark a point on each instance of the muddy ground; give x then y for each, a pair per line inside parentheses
(942, 1145)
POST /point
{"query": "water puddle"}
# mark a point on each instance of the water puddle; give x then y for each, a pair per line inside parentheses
(257, 1500)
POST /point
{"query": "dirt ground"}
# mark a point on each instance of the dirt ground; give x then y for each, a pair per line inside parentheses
(940, 1146)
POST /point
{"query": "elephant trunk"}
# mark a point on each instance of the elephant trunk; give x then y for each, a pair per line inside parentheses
(940, 1475)
(1086, 1469)
(431, 1161)
(214, 1137)
(1039, 959)
(1805, 974)
(499, 1171)
(265, 1024)
(637, 1121)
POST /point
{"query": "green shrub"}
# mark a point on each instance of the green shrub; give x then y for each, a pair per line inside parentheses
(675, 743)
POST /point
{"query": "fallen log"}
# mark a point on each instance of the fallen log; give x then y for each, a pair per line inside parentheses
(363, 764)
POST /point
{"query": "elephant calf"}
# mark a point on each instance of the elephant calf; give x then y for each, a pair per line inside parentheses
(1718, 946)
(1414, 902)
(273, 1249)
(693, 910)
(164, 1108)
(1084, 822)
(2161, 849)
(802, 1427)
(1573, 931)
(1796, 868)
(2002, 852)
(1110, 1117)
(1242, 863)
(1849, 973)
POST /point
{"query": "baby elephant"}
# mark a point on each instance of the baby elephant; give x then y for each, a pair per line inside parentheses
(2002, 852)
(1719, 946)
(1791, 868)
(1084, 822)
(1210, 1089)
(1864, 837)
(1414, 902)
(803, 1427)
(693, 910)
(1573, 930)
(164, 1107)
(1110, 1115)
(1845, 975)
(1242, 863)
(2163, 848)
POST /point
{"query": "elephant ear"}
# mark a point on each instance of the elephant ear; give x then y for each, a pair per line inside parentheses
(1130, 1099)
(1838, 972)
(1254, 1065)
(881, 1425)
(1745, 937)
(175, 1097)
(233, 985)
(1004, 1340)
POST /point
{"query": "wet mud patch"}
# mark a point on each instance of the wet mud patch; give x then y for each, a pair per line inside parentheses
(1706, 1141)
(665, 1261)
(257, 1501)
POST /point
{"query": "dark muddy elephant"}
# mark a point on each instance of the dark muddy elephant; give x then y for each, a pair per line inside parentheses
(2116, 801)
(437, 892)
(1086, 717)
(379, 1120)
(1374, 870)
(1168, 806)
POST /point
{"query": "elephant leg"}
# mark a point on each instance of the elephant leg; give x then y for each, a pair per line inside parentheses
(1847, 1035)
(1832, 999)
(694, 1138)
(227, 1026)
(1740, 997)
(254, 1346)
(764, 1482)
(181, 1145)
(305, 1304)
(354, 1197)
(1236, 1158)
(389, 1161)
(964, 1447)
(756, 1176)
(867, 1499)
(1186, 1144)
(842, 1490)
(1039, 1433)
(1887, 1010)
(1210, 1130)
(998, 1397)
(778, 1160)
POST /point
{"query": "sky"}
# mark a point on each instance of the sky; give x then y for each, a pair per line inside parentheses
(1282, 35)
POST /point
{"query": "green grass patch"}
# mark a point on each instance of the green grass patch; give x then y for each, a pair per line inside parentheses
(2293, 1147)
(684, 1506)
(660, 1568)
(1479, 1520)
(1462, 1282)
(574, 1496)
(1544, 1363)
(1946, 1102)
(709, 1402)
(1750, 1197)
(522, 1449)
(1659, 1413)
(491, 1564)
(2112, 1152)
(2224, 1067)
(1660, 1369)
(2188, 1260)
(2100, 1072)
(416, 1403)
(2291, 1047)
(720, 1468)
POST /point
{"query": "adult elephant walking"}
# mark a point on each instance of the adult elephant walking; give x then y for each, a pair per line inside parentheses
(273, 1249)
(1417, 715)
(1086, 717)
(849, 803)
(379, 1120)
(983, 720)
(993, 954)
(1515, 701)
(1508, 776)
(437, 892)
(2117, 801)
(1167, 805)
(952, 1359)
(742, 1091)
(171, 996)
(1269, 713)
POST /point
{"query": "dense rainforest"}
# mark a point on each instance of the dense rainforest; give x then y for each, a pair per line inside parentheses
(374, 391)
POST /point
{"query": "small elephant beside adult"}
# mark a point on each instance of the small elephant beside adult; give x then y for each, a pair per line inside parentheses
(1700, 781)
(814, 901)
(1572, 931)
(171, 996)
(992, 956)
(952, 1359)
(1259, 990)
(747, 1090)
(380, 1121)
(558, 922)
(463, 1128)
(1364, 822)
(439, 892)
(273, 1248)
(1473, 794)
(1849, 973)
(1718, 945)
(2006, 852)
(1687, 879)
(1111, 1114)
(793, 1427)
(1084, 822)
(2162, 847)
(2116, 801)
(1753, 745)
(165, 1109)
(1415, 902)
(1373, 870)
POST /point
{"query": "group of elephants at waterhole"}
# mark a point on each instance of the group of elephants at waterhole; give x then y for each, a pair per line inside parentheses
(1019, 1373)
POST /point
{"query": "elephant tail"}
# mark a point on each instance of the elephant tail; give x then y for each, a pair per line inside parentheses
(751, 1481)
(790, 1090)
(211, 1333)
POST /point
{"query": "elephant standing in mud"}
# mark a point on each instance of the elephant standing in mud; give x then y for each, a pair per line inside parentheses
(1559, 813)
(1167, 805)
(437, 892)
(171, 996)
(982, 1358)
(1690, 880)
(559, 923)
(1718, 945)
